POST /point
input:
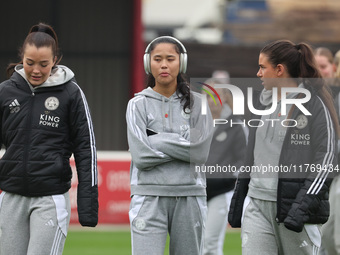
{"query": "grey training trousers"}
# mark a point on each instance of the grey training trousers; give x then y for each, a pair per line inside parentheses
(33, 225)
(262, 235)
(216, 224)
(331, 229)
(152, 218)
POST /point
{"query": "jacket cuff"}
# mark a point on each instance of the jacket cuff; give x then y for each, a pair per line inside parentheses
(88, 222)
(293, 225)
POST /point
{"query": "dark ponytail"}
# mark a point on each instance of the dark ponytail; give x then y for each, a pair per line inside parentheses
(308, 70)
(183, 87)
(40, 35)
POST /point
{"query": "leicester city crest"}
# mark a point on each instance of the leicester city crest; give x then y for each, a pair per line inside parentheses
(301, 121)
(51, 103)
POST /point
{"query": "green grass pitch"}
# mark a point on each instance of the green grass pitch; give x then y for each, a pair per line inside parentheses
(118, 242)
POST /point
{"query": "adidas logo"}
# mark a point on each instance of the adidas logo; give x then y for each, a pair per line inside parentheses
(303, 244)
(14, 106)
(197, 224)
(50, 223)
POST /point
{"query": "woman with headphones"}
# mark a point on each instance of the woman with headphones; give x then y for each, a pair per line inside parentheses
(167, 136)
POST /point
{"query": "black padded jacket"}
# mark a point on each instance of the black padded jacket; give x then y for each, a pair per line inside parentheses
(308, 157)
(40, 129)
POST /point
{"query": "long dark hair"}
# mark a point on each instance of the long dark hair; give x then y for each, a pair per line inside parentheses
(183, 87)
(301, 65)
(40, 35)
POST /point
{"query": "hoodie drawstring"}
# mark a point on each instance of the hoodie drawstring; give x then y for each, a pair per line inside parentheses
(163, 114)
(170, 119)
(169, 115)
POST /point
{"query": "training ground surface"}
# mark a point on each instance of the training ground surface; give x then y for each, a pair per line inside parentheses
(115, 240)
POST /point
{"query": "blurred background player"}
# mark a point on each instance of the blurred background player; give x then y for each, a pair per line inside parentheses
(337, 64)
(227, 149)
(328, 66)
(325, 63)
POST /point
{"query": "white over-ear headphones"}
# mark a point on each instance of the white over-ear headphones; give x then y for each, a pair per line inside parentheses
(183, 57)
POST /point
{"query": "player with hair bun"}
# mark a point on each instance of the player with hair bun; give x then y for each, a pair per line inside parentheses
(44, 119)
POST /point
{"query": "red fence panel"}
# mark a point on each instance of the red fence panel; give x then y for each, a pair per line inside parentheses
(113, 188)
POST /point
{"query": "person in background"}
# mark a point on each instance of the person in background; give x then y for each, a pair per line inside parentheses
(44, 119)
(325, 63)
(331, 229)
(286, 207)
(327, 66)
(337, 64)
(227, 149)
(167, 137)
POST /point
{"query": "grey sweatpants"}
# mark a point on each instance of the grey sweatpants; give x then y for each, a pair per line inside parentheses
(152, 218)
(216, 224)
(331, 229)
(33, 225)
(262, 235)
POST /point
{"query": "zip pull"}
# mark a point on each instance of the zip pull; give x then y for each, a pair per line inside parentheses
(277, 221)
(33, 94)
